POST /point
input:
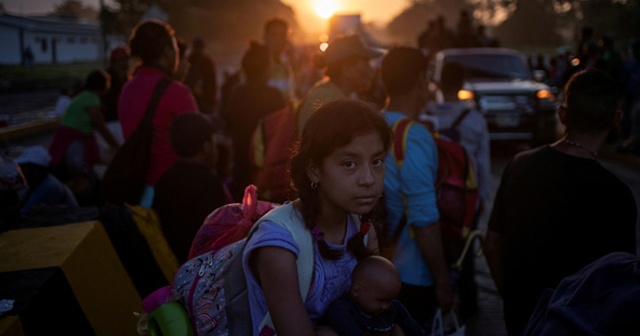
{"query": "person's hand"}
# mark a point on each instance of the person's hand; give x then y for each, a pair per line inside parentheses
(444, 296)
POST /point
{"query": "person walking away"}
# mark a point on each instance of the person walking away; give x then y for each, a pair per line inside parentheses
(410, 192)
(190, 189)
(348, 72)
(557, 208)
(248, 103)
(183, 61)
(201, 78)
(338, 173)
(153, 42)
(281, 74)
(118, 69)
(471, 127)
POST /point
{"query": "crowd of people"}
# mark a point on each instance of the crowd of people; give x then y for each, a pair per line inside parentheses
(556, 211)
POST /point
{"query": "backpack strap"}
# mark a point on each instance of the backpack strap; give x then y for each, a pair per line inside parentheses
(158, 91)
(400, 134)
(460, 118)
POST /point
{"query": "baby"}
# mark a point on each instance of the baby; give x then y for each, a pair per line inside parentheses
(370, 307)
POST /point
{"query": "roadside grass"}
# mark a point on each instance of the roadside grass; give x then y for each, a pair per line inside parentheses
(42, 76)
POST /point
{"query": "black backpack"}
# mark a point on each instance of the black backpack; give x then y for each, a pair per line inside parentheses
(125, 177)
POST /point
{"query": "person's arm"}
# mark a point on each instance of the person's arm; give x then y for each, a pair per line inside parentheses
(97, 122)
(430, 243)
(483, 160)
(276, 271)
(418, 174)
(493, 249)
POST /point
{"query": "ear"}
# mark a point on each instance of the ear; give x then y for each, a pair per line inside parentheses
(313, 172)
(562, 114)
(355, 289)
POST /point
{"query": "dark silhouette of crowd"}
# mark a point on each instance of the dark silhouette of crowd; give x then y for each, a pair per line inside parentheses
(557, 208)
(467, 34)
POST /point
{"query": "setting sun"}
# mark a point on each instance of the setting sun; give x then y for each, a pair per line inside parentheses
(324, 8)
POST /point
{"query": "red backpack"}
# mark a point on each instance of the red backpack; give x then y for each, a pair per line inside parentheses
(271, 146)
(456, 187)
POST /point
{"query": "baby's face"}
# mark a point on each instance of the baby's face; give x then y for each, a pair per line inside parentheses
(374, 298)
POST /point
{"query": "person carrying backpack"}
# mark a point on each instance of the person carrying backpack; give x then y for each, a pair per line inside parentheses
(466, 126)
(248, 104)
(338, 173)
(410, 191)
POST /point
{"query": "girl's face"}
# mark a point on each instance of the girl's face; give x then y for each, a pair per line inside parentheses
(351, 179)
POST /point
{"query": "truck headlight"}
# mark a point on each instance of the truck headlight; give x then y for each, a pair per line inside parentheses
(465, 95)
(545, 96)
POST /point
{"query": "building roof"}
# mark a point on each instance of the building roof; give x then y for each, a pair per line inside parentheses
(51, 24)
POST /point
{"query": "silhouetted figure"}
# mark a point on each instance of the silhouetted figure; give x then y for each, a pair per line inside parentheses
(190, 189)
(202, 77)
(153, 43)
(248, 103)
(119, 71)
(281, 75)
(557, 208)
(348, 72)
(409, 189)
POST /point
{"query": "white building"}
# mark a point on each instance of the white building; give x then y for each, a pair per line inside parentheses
(50, 39)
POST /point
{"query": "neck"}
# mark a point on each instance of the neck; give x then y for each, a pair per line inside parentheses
(581, 144)
(333, 223)
(404, 105)
(343, 84)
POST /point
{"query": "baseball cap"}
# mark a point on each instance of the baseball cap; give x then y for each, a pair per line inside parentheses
(348, 46)
(36, 155)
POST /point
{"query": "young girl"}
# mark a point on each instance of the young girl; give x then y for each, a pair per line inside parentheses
(338, 172)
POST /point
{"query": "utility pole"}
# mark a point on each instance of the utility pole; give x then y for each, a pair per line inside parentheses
(103, 15)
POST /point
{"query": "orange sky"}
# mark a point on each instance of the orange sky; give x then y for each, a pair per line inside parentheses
(380, 11)
(371, 10)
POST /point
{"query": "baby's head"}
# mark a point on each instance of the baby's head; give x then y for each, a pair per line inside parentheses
(374, 284)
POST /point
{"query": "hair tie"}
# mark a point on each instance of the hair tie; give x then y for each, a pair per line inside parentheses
(316, 234)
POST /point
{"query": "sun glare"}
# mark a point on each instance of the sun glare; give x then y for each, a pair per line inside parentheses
(324, 8)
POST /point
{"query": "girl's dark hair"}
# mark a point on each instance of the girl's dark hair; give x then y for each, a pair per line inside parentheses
(97, 80)
(149, 39)
(332, 126)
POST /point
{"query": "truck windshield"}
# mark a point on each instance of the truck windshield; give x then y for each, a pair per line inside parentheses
(491, 66)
